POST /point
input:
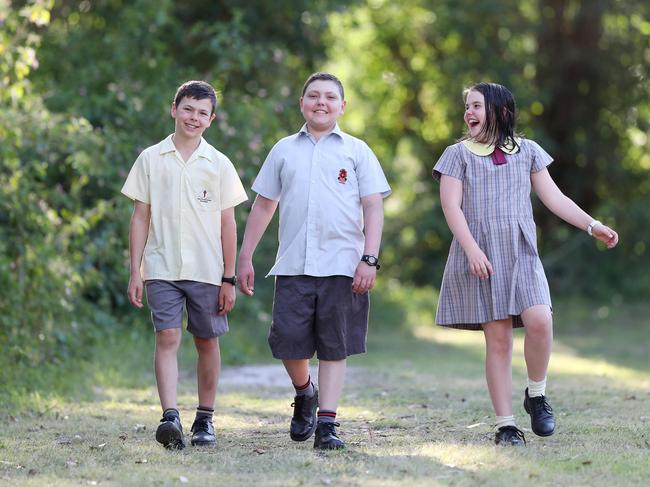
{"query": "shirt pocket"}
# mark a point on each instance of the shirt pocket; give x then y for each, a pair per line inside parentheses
(205, 195)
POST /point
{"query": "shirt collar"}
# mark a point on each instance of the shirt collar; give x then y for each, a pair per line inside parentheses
(167, 146)
(336, 130)
(482, 149)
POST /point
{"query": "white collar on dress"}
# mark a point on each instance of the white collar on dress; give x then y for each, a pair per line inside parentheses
(482, 149)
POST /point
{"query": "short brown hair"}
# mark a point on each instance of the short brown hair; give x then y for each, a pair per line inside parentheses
(324, 77)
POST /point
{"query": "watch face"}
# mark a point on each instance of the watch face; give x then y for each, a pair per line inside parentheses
(370, 259)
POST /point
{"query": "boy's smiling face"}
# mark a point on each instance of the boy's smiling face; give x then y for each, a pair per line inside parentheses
(475, 112)
(192, 117)
(322, 105)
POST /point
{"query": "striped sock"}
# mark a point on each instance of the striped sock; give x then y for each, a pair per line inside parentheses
(536, 389)
(505, 421)
(307, 389)
(325, 416)
(203, 412)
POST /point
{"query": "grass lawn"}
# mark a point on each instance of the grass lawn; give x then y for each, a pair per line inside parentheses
(415, 413)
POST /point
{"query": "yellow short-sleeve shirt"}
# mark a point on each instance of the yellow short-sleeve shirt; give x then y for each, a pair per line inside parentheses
(186, 199)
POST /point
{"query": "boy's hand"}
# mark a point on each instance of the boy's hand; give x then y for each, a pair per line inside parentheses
(246, 277)
(364, 278)
(135, 289)
(227, 297)
(606, 235)
(479, 265)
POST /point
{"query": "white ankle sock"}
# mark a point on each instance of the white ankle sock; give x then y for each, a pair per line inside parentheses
(505, 421)
(536, 389)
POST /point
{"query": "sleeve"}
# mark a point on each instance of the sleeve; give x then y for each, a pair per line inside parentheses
(538, 156)
(450, 164)
(370, 175)
(268, 183)
(231, 191)
(137, 185)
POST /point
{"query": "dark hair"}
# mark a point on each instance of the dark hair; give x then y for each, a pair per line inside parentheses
(199, 90)
(500, 114)
(324, 77)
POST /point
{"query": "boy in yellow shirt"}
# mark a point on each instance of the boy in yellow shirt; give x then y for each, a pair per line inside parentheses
(183, 245)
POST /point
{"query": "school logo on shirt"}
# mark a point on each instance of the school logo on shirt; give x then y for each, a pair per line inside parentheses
(204, 197)
(343, 176)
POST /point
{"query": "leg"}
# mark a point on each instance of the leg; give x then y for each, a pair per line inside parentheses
(331, 375)
(170, 431)
(166, 366)
(298, 370)
(537, 351)
(538, 324)
(208, 366)
(498, 364)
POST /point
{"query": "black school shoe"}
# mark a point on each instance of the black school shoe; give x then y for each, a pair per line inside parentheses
(326, 437)
(510, 435)
(303, 422)
(170, 432)
(203, 432)
(542, 421)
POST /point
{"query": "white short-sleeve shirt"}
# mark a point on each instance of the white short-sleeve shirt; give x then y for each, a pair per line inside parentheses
(319, 186)
(186, 199)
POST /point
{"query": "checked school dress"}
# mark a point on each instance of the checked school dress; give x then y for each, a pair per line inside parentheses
(496, 204)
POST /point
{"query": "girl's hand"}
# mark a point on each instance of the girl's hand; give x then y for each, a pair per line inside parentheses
(479, 265)
(606, 235)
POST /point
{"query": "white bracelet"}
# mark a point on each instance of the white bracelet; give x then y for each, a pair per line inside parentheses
(591, 226)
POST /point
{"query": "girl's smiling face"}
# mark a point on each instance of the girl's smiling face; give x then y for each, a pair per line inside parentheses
(475, 113)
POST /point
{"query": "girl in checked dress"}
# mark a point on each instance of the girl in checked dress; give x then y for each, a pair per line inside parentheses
(494, 280)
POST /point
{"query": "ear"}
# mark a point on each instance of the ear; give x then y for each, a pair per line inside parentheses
(172, 110)
(343, 105)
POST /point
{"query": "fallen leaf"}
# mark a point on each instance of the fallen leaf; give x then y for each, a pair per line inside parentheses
(123, 436)
(587, 462)
(139, 428)
(144, 460)
(259, 451)
(98, 447)
(183, 480)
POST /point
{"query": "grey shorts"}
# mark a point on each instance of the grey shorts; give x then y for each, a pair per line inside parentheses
(166, 300)
(318, 314)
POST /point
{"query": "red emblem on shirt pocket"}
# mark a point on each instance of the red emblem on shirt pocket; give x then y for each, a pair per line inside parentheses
(343, 176)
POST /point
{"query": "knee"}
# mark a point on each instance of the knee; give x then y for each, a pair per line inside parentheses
(206, 345)
(168, 339)
(539, 327)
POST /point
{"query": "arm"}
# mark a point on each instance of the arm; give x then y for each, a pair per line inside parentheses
(564, 207)
(373, 218)
(138, 233)
(258, 219)
(451, 198)
(227, 295)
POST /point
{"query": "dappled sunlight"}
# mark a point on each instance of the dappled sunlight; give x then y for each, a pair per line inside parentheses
(565, 360)
(469, 457)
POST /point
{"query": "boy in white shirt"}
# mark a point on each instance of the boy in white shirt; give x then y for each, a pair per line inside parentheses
(329, 186)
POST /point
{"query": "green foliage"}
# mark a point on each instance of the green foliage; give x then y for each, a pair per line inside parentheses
(85, 86)
(579, 73)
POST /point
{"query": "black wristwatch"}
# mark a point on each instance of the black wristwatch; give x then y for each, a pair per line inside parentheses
(371, 260)
(230, 280)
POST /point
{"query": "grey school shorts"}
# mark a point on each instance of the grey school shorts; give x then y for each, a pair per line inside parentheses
(166, 300)
(318, 314)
